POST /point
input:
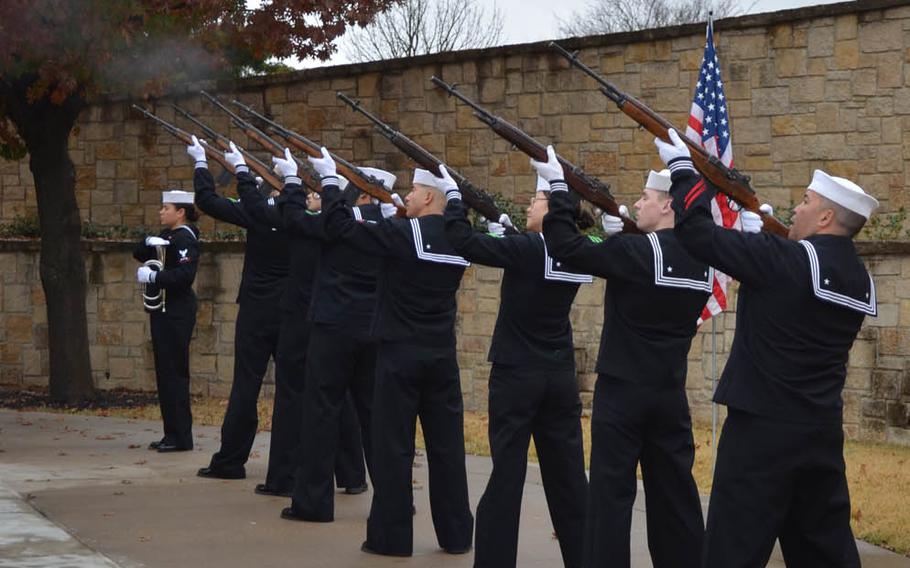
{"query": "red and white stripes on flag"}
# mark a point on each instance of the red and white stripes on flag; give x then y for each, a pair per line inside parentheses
(709, 126)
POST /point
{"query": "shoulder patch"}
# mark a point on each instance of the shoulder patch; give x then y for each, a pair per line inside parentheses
(233, 200)
(595, 239)
(496, 235)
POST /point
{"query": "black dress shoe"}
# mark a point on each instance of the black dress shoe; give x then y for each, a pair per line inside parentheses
(366, 548)
(356, 490)
(167, 447)
(263, 489)
(213, 473)
(457, 550)
(290, 514)
(154, 445)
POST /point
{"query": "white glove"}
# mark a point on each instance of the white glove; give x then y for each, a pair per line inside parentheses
(496, 229)
(396, 199)
(752, 222)
(675, 149)
(235, 158)
(447, 184)
(145, 275)
(388, 210)
(156, 242)
(324, 166)
(551, 169)
(197, 152)
(287, 166)
(259, 181)
(612, 224)
(505, 221)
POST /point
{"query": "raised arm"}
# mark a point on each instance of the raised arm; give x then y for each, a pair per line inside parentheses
(217, 206)
(752, 258)
(260, 208)
(503, 251)
(206, 198)
(627, 256)
(386, 238)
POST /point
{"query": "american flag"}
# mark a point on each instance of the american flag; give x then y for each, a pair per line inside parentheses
(709, 126)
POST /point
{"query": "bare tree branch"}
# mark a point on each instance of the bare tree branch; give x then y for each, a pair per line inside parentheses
(612, 16)
(419, 27)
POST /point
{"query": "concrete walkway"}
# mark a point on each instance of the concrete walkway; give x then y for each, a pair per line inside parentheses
(81, 491)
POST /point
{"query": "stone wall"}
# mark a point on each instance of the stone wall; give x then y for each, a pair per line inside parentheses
(877, 394)
(816, 87)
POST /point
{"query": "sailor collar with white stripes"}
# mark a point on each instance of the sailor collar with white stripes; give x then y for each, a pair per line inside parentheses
(424, 249)
(824, 288)
(358, 216)
(679, 275)
(188, 229)
(551, 269)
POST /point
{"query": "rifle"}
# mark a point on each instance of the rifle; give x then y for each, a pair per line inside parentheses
(588, 187)
(476, 198)
(254, 163)
(186, 138)
(304, 171)
(365, 183)
(730, 182)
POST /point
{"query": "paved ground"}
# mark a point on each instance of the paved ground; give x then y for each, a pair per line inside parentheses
(84, 492)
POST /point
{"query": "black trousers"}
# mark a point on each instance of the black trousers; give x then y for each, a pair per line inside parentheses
(339, 398)
(415, 381)
(255, 341)
(544, 403)
(171, 334)
(287, 409)
(634, 424)
(285, 451)
(781, 480)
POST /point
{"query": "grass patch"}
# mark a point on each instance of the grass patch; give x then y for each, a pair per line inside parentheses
(878, 474)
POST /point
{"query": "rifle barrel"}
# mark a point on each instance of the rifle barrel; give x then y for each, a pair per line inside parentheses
(186, 137)
(208, 131)
(728, 181)
(474, 197)
(606, 87)
(358, 107)
(481, 113)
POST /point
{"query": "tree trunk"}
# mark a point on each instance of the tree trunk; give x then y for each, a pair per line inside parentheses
(45, 127)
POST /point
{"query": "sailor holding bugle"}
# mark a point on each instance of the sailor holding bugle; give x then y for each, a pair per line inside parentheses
(172, 315)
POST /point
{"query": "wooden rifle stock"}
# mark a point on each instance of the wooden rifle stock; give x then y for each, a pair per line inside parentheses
(474, 197)
(362, 182)
(588, 187)
(728, 181)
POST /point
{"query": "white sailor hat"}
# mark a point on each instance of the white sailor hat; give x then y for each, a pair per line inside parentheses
(542, 184)
(659, 181)
(425, 177)
(387, 178)
(177, 196)
(843, 192)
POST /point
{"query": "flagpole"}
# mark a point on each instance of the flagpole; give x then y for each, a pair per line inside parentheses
(713, 386)
(713, 345)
